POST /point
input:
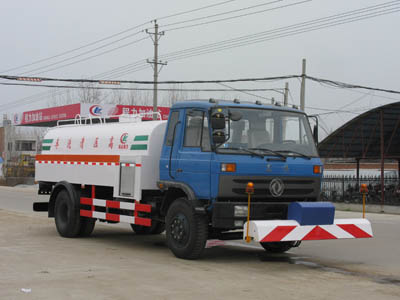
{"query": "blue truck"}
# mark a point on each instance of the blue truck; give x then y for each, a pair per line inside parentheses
(217, 170)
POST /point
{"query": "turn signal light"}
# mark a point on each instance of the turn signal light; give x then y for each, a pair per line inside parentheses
(228, 167)
(364, 188)
(317, 169)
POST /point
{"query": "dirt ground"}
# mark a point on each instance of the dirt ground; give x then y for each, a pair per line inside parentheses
(114, 263)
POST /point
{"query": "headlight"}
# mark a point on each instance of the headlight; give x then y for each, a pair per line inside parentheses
(240, 211)
(239, 223)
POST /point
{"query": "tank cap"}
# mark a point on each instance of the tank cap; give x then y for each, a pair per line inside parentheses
(236, 100)
(295, 106)
(258, 102)
(278, 104)
(211, 100)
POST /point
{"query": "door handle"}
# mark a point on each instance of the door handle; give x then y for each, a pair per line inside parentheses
(179, 170)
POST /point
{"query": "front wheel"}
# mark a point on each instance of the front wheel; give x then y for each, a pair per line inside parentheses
(278, 247)
(186, 232)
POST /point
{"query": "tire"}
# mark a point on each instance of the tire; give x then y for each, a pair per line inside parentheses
(186, 232)
(156, 227)
(66, 215)
(277, 247)
(87, 226)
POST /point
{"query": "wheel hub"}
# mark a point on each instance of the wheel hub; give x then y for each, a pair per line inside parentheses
(179, 229)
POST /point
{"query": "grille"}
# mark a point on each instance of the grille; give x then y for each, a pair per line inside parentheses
(296, 188)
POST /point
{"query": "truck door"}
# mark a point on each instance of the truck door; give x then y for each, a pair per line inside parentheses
(195, 154)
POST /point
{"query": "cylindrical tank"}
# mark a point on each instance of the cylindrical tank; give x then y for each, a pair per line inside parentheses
(124, 139)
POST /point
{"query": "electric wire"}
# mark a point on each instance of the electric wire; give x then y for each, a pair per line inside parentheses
(33, 71)
(112, 36)
(220, 14)
(245, 92)
(239, 16)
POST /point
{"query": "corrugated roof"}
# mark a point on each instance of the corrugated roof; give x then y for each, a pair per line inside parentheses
(361, 137)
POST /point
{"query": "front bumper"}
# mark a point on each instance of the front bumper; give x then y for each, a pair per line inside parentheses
(290, 230)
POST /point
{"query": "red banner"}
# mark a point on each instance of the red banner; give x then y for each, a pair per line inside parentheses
(48, 114)
(53, 114)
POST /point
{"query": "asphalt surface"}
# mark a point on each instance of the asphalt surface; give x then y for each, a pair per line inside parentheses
(115, 264)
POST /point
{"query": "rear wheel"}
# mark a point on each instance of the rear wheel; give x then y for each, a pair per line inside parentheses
(277, 247)
(87, 226)
(186, 232)
(66, 215)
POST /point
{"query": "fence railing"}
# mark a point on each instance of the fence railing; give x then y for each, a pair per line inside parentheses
(346, 189)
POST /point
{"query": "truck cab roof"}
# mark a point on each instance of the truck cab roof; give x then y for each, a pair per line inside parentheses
(207, 104)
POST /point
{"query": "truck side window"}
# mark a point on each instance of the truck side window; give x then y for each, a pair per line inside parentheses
(171, 125)
(193, 127)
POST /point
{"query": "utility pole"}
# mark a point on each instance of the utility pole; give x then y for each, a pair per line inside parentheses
(155, 36)
(285, 95)
(303, 86)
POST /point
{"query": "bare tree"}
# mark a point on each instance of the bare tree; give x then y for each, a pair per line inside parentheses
(87, 94)
(176, 94)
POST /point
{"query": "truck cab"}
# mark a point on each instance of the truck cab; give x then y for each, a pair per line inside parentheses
(212, 149)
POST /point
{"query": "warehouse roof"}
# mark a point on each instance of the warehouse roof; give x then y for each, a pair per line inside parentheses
(367, 136)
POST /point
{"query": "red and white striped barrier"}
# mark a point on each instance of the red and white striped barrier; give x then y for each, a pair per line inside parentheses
(290, 230)
(87, 163)
(116, 217)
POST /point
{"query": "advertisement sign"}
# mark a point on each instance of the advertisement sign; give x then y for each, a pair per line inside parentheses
(50, 116)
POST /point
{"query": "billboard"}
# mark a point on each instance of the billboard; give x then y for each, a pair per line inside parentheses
(50, 116)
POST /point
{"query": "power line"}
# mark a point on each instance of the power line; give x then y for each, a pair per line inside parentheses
(84, 59)
(76, 49)
(295, 29)
(245, 92)
(350, 86)
(141, 89)
(111, 36)
(220, 14)
(18, 78)
(286, 31)
(31, 72)
(127, 69)
(196, 9)
(238, 16)
(276, 33)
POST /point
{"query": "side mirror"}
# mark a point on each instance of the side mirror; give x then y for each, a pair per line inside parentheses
(235, 115)
(218, 121)
(218, 137)
(315, 133)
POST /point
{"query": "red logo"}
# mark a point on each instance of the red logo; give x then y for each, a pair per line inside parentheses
(96, 143)
(96, 110)
(123, 139)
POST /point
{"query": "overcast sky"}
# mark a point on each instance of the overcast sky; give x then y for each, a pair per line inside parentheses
(364, 52)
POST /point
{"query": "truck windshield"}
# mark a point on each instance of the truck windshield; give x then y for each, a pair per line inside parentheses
(268, 132)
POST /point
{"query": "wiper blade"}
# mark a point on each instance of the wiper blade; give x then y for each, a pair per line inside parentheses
(270, 151)
(245, 150)
(295, 152)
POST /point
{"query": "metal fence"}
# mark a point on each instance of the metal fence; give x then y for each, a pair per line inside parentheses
(346, 189)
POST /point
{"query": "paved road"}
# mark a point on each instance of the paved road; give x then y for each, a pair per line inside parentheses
(114, 263)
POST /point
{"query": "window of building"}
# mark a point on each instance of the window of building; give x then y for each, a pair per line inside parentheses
(25, 145)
